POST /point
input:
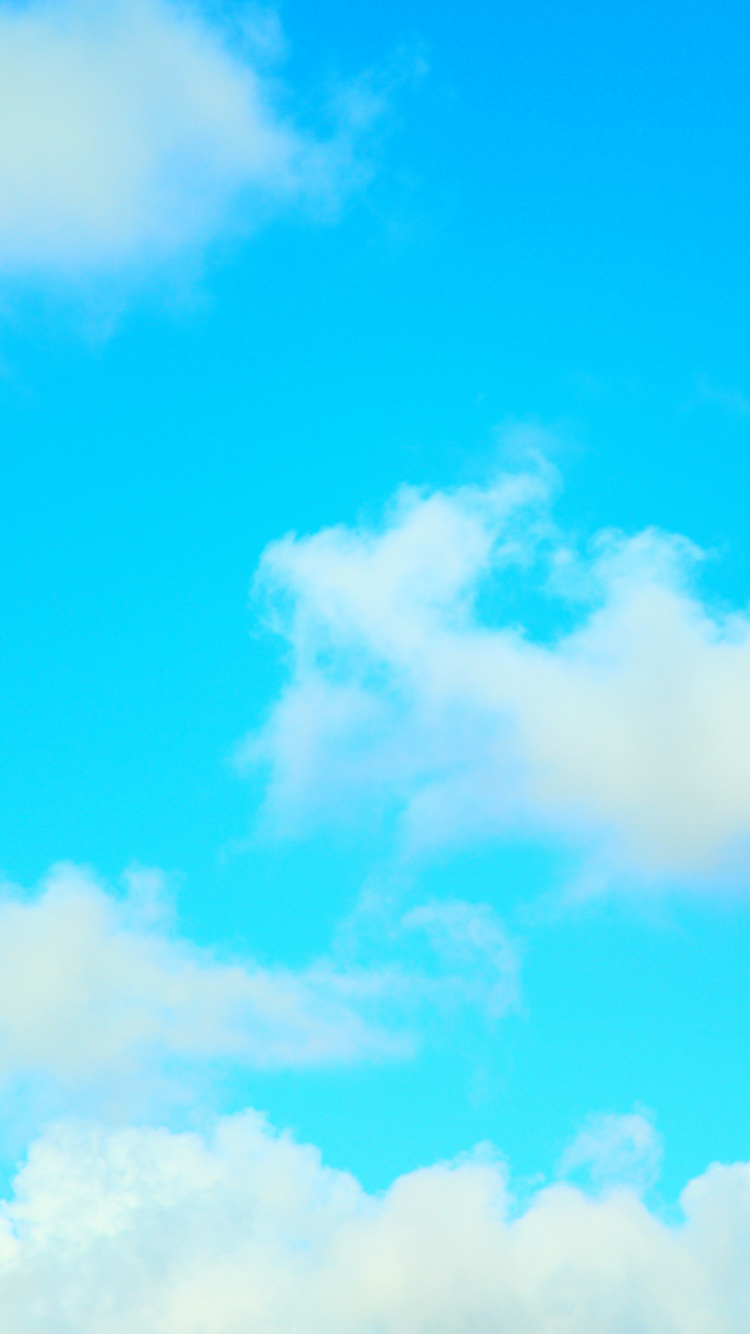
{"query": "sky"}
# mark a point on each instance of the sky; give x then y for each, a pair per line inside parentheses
(375, 705)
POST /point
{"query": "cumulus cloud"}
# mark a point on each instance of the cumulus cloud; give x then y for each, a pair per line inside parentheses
(96, 989)
(114, 1230)
(414, 687)
(134, 130)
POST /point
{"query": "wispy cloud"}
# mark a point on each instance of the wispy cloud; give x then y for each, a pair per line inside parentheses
(731, 399)
(97, 993)
(115, 1230)
(133, 131)
(614, 1151)
(415, 689)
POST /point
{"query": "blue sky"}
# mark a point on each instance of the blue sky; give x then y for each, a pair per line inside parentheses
(375, 705)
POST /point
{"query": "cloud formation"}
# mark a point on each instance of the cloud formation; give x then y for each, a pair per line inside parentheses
(95, 989)
(111, 1231)
(414, 687)
(133, 130)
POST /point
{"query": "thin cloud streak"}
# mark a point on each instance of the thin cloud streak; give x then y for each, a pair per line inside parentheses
(97, 993)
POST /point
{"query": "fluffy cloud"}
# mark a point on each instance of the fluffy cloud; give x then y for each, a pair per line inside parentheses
(413, 684)
(95, 989)
(133, 129)
(111, 1231)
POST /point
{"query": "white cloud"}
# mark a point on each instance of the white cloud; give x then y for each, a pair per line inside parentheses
(95, 990)
(133, 130)
(628, 732)
(112, 1231)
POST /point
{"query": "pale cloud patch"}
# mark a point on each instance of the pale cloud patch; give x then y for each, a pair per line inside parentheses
(114, 1230)
(732, 399)
(98, 991)
(470, 944)
(133, 131)
(415, 688)
(612, 1151)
